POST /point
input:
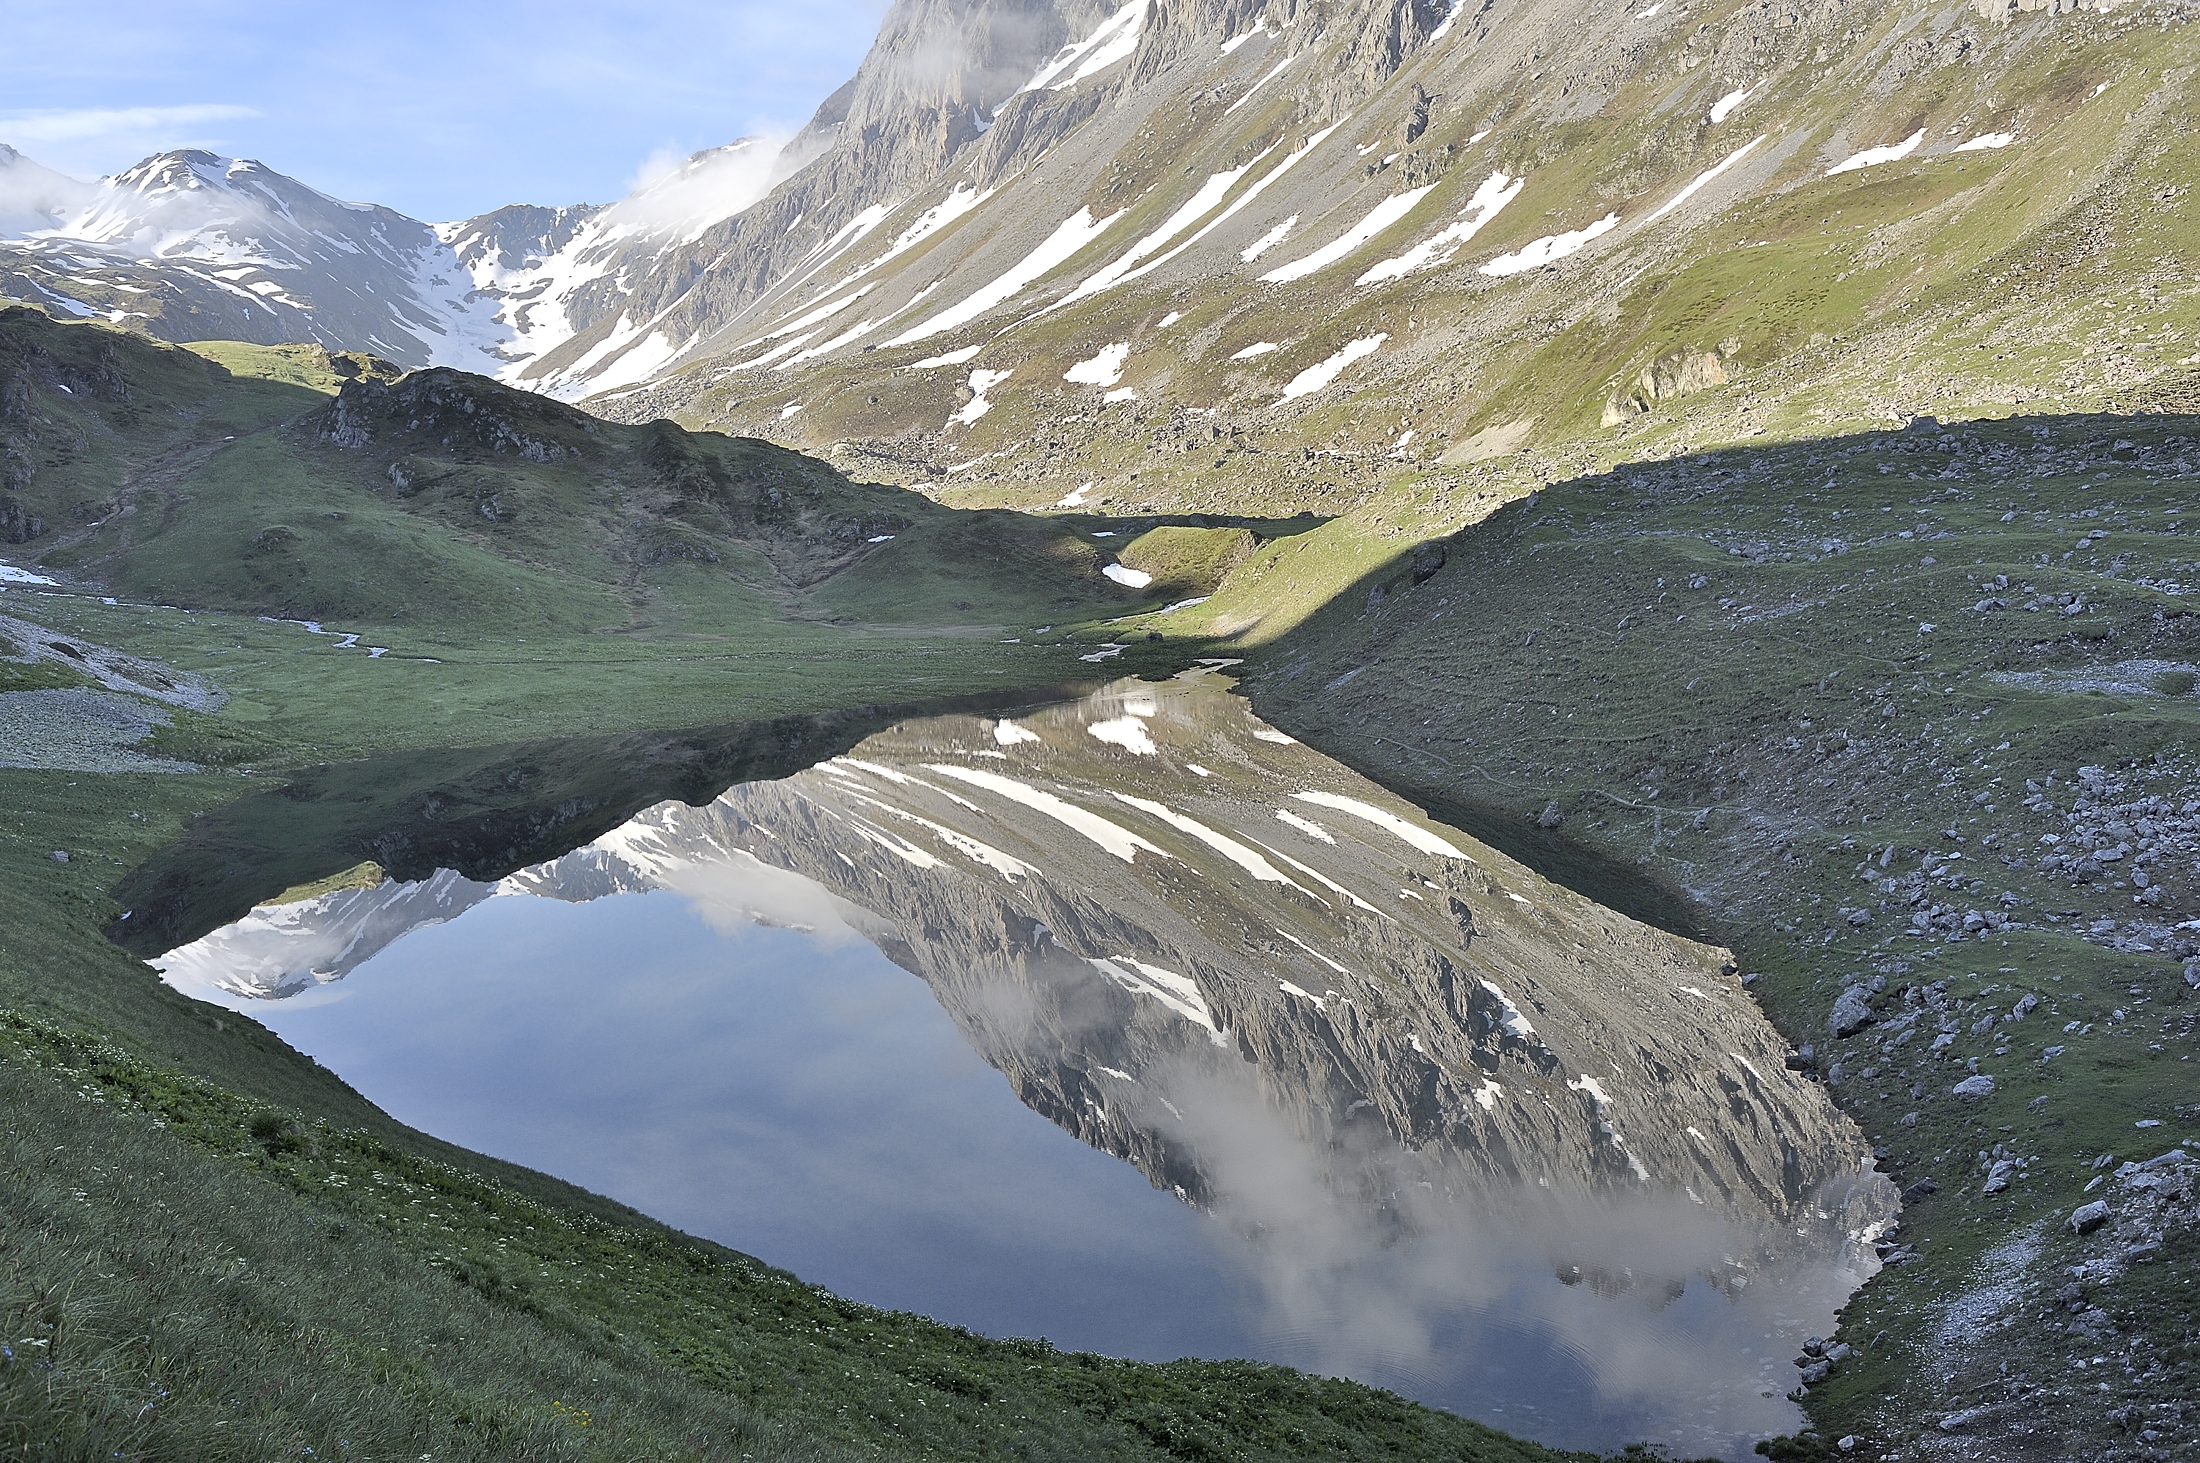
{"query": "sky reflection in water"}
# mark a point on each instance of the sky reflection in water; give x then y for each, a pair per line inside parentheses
(800, 1097)
(1452, 1128)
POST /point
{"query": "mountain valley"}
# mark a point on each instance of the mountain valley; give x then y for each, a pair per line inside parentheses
(1732, 461)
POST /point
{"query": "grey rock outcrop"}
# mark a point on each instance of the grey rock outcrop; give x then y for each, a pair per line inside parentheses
(1852, 1012)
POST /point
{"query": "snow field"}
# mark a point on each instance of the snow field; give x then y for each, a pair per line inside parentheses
(1104, 369)
(1236, 41)
(769, 356)
(1987, 142)
(1705, 177)
(1496, 191)
(1127, 732)
(1111, 838)
(1512, 1022)
(1315, 377)
(1073, 235)
(962, 357)
(1236, 852)
(819, 315)
(1115, 40)
(1201, 203)
(1381, 217)
(1244, 199)
(981, 381)
(1724, 107)
(1419, 837)
(961, 199)
(1128, 577)
(1256, 86)
(1268, 240)
(1179, 993)
(848, 338)
(1257, 348)
(1549, 250)
(1872, 157)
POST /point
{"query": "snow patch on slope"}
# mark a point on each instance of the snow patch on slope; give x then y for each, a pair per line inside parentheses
(981, 381)
(1202, 203)
(1421, 838)
(1724, 107)
(1115, 40)
(1104, 369)
(1381, 217)
(1496, 191)
(1074, 234)
(1111, 838)
(962, 357)
(1315, 377)
(1256, 86)
(1549, 250)
(1872, 157)
(1705, 177)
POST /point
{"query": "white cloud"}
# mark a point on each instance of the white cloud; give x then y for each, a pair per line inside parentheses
(85, 143)
(89, 123)
(696, 191)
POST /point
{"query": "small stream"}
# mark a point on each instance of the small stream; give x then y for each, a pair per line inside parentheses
(1134, 1024)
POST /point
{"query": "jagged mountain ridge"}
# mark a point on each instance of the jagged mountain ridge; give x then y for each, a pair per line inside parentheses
(190, 246)
(1512, 218)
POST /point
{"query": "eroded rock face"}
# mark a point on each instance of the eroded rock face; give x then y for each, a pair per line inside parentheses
(1683, 373)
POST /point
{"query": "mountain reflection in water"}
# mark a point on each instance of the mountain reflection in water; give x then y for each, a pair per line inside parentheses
(1436, 1123)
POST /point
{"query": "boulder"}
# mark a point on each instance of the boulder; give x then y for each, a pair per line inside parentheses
(1975, 1087)
(2088, 1217)
(1852, 1012)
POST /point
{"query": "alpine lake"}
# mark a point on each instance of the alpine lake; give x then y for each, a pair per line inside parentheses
(1131, 1023)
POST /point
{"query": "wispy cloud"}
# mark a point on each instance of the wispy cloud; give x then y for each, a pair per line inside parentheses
(79, 123)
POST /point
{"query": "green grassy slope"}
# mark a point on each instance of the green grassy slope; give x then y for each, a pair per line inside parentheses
(202, 1276)
(285, 482)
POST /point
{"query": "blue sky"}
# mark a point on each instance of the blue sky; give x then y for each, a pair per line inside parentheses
(441, 111)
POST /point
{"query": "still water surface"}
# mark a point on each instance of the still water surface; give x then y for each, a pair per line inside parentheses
(698, 1015)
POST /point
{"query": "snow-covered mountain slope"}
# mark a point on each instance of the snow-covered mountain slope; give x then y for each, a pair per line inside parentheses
(946, 81)
(1042, 242)
(557, 280)
(1212, 236)
(190, 246)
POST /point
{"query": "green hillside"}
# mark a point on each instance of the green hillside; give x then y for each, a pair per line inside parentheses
(212, 1248)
